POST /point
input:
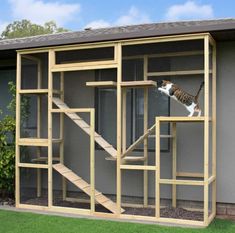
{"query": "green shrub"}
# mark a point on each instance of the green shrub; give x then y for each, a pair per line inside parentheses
(7, 142)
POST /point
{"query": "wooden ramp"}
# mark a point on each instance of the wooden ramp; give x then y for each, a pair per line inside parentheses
(85, 187)
(85, 127)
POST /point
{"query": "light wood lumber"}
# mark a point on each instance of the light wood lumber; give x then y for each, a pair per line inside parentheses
(102, 84)
(83, 185)
(174, 163)
(139, 84)
(175, 73)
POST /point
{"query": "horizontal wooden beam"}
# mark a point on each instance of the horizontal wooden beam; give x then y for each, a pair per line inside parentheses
(190, 174)
(138, 167)
(179, 72)
(37, 91)
(66, 110)
(134, 158)
(84, 66)
(101, 84)
(45, 159)
(139, 84)
(32, 142)
(161, 136)
(172, 54)
(33, 165)
(181, 119)
(161, 39)
(181, 182)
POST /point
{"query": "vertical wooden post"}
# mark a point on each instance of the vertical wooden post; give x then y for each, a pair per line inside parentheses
(206, 128)
(119, 124)
(174, 163)
(157, 172)
(124, 93)
(39, 109)
(50, 132)
(17, 148)
(145, 130)
(92, 159)
(64, 187)
(214, 126)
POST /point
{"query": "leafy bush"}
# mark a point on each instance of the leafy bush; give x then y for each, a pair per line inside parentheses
(7, 142)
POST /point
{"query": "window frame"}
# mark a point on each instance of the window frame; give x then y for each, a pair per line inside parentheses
(133, 115)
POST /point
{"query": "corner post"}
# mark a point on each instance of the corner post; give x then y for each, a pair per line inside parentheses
(174, 163)
(118, 55)
(92, 159)
(17, 147)
(206, 129)
(145, 130)
(50, 132)
(157, 171)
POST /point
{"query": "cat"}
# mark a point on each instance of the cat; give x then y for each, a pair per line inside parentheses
(175, 92)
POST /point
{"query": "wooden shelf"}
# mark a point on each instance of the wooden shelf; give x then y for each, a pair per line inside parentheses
(139, 84)
(102, 84)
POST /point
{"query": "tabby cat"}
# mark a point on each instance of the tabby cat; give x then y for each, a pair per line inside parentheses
(175, 92)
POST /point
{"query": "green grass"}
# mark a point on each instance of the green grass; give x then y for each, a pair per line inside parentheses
(15, 222)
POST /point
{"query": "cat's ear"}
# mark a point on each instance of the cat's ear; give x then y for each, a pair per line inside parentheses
(171, 92)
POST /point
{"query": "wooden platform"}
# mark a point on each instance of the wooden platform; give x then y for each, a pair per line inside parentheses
(139, 84)
(84, 186)
(85, 127)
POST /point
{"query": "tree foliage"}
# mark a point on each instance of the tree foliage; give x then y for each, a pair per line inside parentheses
(7, 142)
(25, 28)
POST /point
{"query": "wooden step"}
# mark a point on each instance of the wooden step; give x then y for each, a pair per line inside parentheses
(85, 187)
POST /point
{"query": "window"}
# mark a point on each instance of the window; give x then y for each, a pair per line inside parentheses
(106, 106)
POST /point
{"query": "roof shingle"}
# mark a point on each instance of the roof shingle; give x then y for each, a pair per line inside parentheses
(119, 33)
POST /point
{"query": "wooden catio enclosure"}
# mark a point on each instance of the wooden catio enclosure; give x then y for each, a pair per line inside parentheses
(46, 146)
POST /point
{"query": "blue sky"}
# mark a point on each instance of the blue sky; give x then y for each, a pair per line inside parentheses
(79, 14)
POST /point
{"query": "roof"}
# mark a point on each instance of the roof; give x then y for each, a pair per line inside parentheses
(125, 32)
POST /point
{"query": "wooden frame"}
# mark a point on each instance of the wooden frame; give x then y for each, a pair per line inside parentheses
(122, 152)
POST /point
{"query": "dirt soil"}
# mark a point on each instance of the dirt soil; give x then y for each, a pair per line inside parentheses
(178, 213)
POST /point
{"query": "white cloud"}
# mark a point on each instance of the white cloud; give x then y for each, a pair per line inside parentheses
(3, 26)
(98, 24)
(40, 11)
(189, 10)
(133, 16)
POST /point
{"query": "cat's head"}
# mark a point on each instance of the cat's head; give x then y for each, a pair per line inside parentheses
(165, 86)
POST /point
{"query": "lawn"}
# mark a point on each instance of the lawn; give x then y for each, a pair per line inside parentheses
(15, 222)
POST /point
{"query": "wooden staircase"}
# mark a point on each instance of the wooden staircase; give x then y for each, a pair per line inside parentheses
(85, 187)
(85, 127)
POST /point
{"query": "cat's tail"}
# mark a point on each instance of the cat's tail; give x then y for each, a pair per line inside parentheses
(199, 90)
